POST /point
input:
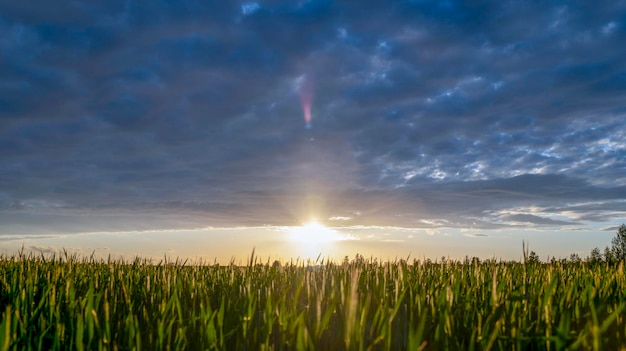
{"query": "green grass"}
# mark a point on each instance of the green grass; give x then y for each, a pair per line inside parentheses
(67, 303)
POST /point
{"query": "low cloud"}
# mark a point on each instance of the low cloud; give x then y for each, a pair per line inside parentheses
(474, 235)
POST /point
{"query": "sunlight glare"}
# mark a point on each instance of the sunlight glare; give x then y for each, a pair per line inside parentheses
(313, 233)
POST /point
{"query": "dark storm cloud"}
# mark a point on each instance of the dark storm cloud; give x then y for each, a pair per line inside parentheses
(425, 113)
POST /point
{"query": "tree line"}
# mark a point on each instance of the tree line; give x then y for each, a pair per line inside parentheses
(611, 255)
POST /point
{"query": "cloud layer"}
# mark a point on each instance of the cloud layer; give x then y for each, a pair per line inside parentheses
(424, 114)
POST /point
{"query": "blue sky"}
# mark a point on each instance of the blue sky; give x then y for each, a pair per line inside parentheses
(456, 124)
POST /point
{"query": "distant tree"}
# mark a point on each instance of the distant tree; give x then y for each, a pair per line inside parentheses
(595, 256)
(574, 258)
(618, 244)
(608, 255)
(533, 258)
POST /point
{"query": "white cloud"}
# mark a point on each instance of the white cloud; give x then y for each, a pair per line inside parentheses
(249, 8)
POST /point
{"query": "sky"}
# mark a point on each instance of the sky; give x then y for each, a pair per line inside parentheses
(410, 128)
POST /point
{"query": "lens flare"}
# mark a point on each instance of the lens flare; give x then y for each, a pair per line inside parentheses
(306, 106)
(305, 90)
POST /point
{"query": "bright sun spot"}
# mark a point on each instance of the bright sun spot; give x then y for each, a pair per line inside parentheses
(314, 233)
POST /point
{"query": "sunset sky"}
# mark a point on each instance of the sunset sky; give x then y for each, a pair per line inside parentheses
(202, 129)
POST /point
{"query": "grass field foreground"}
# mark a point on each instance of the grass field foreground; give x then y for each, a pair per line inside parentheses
(67, 303)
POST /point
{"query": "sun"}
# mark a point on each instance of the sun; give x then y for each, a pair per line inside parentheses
(313, 233)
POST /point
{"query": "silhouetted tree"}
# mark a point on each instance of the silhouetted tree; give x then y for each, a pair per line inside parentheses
(608, 255)
(595, 256)
(533, 258)
(574, 258)
(618, 244)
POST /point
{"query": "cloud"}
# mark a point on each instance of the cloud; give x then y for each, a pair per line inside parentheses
(250, 8)
(426, 115)
(610, 229)
(536, 220)
(339, 218)
(475, 235)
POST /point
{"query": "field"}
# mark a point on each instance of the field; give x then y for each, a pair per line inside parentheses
(67, 303)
